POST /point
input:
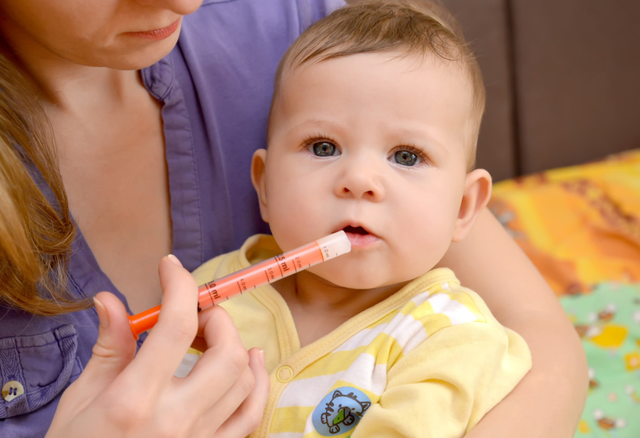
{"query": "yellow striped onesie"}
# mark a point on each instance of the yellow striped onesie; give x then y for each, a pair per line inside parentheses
(428, 361)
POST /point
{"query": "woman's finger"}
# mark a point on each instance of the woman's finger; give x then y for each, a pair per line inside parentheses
(249, 414)
(220, 366)
(214, 374)
(169, 340)
(218, 413)
(203, 320)
(115, 347)
(199, 343)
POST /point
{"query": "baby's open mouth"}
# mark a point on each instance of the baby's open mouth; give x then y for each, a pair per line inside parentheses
(359, 237)
(355, 230)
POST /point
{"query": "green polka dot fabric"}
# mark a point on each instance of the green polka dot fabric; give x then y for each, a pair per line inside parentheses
(608, 321)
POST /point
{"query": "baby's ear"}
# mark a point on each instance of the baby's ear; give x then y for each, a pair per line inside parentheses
(477, 192)
(258, 164)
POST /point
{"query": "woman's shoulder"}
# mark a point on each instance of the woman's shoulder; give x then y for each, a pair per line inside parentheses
(245, 29)
(244, 26)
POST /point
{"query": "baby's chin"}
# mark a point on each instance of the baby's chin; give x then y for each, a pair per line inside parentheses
(342, 277)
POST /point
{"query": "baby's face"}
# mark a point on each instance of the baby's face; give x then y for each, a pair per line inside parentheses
(375, 146)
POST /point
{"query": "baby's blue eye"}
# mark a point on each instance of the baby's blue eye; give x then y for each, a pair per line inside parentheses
(325, 149)
(405, 158)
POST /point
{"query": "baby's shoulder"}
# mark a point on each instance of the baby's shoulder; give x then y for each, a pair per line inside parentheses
(447, 303)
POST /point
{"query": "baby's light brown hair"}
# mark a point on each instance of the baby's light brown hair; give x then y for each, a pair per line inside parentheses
(408, 27)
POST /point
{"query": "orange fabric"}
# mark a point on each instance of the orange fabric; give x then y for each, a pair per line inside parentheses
(580, 225)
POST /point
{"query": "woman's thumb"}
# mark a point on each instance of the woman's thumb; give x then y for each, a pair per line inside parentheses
(115, 347)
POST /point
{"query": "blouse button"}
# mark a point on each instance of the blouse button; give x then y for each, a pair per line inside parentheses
(11, 390)
(284, 374)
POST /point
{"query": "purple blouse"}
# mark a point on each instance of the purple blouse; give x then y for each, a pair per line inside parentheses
(215, 87)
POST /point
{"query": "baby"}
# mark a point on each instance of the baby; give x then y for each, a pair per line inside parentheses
(373, 128)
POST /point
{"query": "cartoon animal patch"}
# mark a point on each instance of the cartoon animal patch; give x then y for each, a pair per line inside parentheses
(340, 411)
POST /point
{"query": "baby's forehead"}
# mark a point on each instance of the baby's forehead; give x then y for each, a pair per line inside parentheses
(406, 63)
(409, 59)
(378, 75)
(457, 68)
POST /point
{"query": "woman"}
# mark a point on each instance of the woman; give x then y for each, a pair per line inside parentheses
(153, 143)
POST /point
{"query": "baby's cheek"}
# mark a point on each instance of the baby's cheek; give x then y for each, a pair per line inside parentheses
(422, 251)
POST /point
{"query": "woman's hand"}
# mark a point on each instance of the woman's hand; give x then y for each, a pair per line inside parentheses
(121, 395)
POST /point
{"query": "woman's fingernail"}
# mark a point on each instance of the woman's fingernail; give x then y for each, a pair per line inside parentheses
(103, 315)
(174, 260)
(261, 355)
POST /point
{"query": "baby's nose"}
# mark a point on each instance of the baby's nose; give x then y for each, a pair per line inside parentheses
(361, 181)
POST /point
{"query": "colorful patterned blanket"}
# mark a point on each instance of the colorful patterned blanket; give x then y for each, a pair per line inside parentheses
(581, 227)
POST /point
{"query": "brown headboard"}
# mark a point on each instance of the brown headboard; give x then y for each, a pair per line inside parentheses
(562, 77)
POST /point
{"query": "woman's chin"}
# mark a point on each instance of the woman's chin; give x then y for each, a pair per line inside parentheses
(141, 56)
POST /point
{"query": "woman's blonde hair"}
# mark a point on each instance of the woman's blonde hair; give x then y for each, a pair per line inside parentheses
(35, 232)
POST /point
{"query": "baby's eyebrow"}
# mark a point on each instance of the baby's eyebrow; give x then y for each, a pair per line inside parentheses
(322, 124)
(325, 122)
(421, 137)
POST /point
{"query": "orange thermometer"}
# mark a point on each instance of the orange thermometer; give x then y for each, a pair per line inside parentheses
(268, 271)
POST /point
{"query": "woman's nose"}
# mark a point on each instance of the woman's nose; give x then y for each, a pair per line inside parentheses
(361, 181)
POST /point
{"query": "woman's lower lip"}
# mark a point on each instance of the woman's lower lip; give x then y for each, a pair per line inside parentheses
(362, 240)
(157, 34)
